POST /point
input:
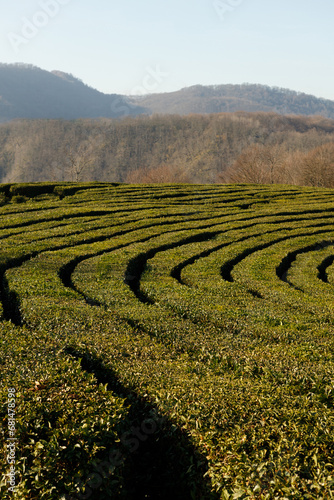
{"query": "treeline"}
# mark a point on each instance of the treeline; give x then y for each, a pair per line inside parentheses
(226, 147)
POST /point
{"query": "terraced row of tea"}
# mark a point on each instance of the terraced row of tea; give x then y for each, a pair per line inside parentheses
(169, 341)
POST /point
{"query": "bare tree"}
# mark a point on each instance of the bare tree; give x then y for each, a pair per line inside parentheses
(259, 164)
(318, 167)
(161, 174)
(78, 157)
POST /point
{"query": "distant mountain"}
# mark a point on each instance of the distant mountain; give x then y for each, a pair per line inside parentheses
(30, 92)
(232, 98)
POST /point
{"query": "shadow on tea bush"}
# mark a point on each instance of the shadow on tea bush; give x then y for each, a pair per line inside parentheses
(19, 199)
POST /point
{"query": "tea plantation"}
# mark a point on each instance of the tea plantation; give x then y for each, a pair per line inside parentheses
(166, 342)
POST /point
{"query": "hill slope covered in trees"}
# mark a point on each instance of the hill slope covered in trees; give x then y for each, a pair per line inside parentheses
(239, 147)
(231, 98)
(30, 92)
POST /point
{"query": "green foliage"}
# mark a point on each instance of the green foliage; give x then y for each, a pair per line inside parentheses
(31, 190)
(169, 341)
(5, 189)
(3, 199)
(19, 198)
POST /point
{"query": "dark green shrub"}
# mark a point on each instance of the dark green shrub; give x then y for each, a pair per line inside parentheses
(31, 190)
(19, 198)
(3, 199)
(5, 188)
(59, 191)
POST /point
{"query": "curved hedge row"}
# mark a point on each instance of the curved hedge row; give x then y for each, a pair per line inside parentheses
(168, 341)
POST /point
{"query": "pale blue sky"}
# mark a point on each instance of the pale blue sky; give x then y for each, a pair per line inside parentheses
(133, 47)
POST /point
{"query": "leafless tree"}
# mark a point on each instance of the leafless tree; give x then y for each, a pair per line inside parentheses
(259, 164)
(318, 167)
(79, 157)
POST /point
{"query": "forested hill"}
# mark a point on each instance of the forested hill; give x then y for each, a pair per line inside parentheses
(237, 147)
(30, 92)
(231, 98)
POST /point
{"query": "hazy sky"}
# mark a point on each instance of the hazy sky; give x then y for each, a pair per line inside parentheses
(134, 47)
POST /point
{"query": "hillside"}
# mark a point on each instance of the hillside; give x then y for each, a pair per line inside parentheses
(30, 92)
(231, 98)
(166, 342)
(169, 148)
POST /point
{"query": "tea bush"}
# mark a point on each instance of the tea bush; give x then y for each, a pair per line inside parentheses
(168, 341)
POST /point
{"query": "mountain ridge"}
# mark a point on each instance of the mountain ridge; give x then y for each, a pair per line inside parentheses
(237, 97)
(28, 92)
